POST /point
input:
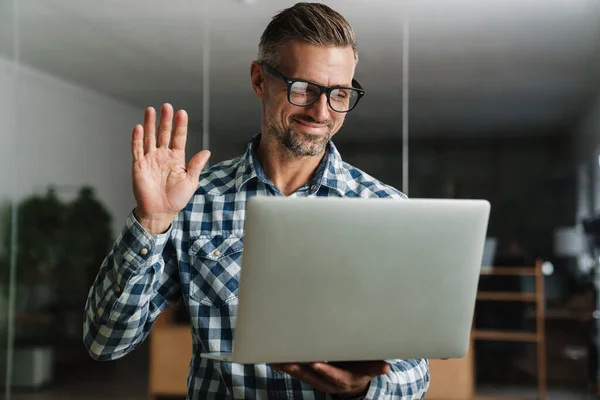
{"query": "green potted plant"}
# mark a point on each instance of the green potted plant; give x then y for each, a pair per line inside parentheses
(40, 219)
(60, 246)
(86, 240)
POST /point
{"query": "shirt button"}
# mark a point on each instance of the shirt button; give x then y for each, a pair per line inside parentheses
(313, 188)
(144, 251)
(217, 253)
(118, 289)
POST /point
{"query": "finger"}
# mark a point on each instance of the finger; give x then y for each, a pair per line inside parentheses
(367, 368)
(335, 375)
(149, 129)
(197, 163)
(310, 377)
(166, 124)
(180, 131)
(137, 142)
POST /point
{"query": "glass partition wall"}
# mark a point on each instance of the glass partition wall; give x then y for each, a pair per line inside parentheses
(494, 110)
(75, 78)
(9, 65)
(86, 74)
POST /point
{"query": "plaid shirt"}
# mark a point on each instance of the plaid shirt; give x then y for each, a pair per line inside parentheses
(200, 258)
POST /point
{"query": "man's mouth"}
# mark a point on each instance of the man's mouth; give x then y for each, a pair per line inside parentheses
(310, 124)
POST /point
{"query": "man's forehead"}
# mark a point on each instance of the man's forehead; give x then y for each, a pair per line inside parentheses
(323, 65)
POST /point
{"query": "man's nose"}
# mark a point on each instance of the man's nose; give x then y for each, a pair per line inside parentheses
(319, 110)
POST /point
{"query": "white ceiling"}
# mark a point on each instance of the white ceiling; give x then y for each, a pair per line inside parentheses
(485, 67)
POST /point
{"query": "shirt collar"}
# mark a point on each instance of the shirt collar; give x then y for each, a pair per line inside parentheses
(330, 172)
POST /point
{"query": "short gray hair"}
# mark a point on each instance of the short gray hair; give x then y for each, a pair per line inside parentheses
(312, 23)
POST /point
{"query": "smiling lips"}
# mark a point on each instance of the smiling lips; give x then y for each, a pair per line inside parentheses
(310, 124)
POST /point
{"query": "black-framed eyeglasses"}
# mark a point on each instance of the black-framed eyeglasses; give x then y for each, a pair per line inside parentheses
(303, 93)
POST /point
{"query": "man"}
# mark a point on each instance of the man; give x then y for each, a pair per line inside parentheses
(184, 237)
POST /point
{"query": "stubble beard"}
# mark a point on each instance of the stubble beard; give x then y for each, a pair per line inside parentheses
(300, 144)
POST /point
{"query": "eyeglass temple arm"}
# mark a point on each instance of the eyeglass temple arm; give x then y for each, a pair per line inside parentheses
(356, 85)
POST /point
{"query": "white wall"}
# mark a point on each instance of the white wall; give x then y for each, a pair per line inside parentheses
(67, 136)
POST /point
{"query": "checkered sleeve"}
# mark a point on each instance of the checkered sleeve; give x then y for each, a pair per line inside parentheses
(137, 280)
(408, 379)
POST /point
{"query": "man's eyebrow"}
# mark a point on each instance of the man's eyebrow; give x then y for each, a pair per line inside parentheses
(348, 85)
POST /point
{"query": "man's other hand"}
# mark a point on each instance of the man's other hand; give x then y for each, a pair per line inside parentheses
(340, 378)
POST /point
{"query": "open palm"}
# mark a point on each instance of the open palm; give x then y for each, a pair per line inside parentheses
(162, 183)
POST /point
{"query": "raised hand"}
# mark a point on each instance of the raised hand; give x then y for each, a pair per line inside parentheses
(162, 184)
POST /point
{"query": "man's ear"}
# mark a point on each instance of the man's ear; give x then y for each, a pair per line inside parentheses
(257, 79)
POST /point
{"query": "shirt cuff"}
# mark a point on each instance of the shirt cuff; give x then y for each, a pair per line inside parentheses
(137, 248)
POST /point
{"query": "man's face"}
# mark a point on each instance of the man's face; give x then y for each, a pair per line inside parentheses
(305, 131)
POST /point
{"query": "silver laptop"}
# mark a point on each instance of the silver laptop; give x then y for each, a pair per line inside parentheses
(340, 279)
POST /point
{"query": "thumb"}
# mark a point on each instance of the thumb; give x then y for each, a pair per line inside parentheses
(197, 163)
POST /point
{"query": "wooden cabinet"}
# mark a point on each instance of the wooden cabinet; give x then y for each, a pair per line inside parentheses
(170, 356)
(536, 298)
